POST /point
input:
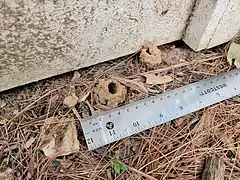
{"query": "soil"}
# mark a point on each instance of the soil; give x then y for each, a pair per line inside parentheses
(176, 150)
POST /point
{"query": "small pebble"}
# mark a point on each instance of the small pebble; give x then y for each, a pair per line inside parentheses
(55, 163)
(101, 150)
(83, 109)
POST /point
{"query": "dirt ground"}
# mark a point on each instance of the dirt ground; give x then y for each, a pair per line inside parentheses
(176, 150)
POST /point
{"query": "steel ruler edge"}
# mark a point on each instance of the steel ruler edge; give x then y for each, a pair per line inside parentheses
(139, 116)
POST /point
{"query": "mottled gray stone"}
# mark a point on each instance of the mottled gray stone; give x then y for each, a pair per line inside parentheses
(43, 38)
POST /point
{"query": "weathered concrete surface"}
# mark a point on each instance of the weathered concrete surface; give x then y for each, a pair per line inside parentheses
(229, 25)
(213, 22)
(43, 38)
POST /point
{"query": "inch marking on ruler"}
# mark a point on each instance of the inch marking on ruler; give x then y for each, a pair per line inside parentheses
(133, 118)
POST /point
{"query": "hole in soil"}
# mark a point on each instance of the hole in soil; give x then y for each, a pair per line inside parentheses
(112, 88)
(148, 51)
(233, 61)
(164, 12)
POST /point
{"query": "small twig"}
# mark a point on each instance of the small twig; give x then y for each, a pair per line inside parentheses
(141, 173)
(178, 66)
(30, 105)
(76, 113)
(111, 68)
(90, 107)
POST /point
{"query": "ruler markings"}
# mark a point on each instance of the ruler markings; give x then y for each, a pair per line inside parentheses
(133, 118)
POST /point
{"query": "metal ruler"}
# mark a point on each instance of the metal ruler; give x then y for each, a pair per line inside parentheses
(133, 118)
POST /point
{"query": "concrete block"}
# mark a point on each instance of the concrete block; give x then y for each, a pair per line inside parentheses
(213, 22)
(228, 26)
(44, 38)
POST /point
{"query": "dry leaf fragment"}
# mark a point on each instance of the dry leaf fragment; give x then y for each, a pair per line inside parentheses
(29, 142)
(71, 101)
(110, 93)
(150, 54)
(84, 97)
(233, 56)
(2, 103)
(3, 121)
(157, 79)
(59, 139)
(236, 98)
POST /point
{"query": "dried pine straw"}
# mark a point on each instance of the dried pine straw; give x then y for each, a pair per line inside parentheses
(176, 150)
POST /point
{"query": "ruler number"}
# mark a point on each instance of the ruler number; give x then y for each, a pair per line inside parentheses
(112, 133)
(90, 141)
(136, 124)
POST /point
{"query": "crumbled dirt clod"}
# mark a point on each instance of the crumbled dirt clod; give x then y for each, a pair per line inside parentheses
(150, 54)
(59, 137)
(71, 101)
(110, 93)
(76, 77)
(6, 173)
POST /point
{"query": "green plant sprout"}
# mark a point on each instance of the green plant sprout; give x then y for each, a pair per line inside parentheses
(118, 165)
